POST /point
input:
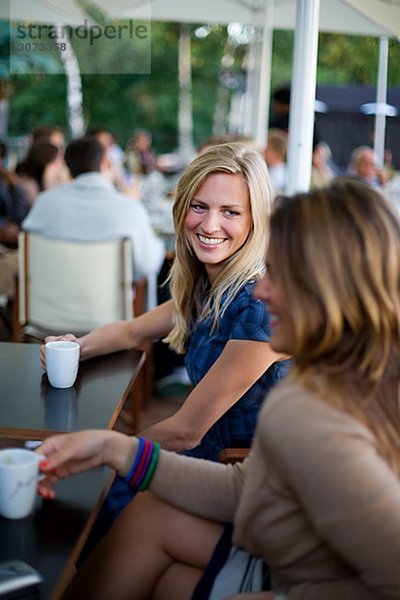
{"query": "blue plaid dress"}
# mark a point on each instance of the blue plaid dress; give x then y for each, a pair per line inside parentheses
(244, 319)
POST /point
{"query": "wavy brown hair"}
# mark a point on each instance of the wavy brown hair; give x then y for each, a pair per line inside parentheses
(191, 292)
(336, 254)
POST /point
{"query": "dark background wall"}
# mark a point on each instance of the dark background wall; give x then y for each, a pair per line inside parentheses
(344, 126)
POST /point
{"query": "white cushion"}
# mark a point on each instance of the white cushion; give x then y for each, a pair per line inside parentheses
(75, 286)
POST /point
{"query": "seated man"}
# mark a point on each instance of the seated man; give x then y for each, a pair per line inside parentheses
(275, 157)
(364, 167)
(14, 206)
(91, 209)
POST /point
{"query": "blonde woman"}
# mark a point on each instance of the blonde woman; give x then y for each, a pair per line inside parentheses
(221, 216)
(318, 500)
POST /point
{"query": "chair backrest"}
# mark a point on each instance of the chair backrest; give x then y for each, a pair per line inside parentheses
(73, 286)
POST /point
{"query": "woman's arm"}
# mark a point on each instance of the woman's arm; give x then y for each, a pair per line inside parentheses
(202, 487)
(123, 335)
(239, 366)
(77, 452)
(30, 187)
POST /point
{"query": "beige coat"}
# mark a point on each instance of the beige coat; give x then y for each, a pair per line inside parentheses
(315, 500)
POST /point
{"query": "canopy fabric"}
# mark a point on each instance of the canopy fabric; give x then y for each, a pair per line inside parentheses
(344, 16)
(335, 15)
(385, 13)
(362, 17)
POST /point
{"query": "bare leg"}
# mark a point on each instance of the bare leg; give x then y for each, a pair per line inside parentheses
(178, 582)
(153, 547)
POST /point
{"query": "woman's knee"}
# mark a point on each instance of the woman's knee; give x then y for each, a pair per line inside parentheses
(145, 503)
(145, 511)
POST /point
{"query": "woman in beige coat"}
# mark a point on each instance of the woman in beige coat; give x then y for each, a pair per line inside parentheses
(318, 500)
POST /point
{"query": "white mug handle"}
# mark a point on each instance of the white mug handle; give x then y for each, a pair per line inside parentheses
(40, 457)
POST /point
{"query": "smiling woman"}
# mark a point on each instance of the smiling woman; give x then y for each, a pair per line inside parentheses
(219, 220)
(221, 215)
(231, 182)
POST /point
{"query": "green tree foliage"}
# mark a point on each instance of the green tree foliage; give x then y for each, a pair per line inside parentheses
(127, 102)
(205, 80)
(282, 55)
(353, 59)
(342, 59)
(36, 99)
(124, 103)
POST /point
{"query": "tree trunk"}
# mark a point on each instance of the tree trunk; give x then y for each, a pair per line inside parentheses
(74, 91)
(5, 93)
(185, 116)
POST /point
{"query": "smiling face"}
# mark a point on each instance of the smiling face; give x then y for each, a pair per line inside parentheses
(282, 329)
(218, 220)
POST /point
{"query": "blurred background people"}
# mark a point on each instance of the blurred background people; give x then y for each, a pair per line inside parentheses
(49, 133)
(227, 138)
(115, 154)
(280, 109)
(323, 169)
(280, 112)
(90, 209)
(14, 203)
(14, 206)
(140, 157)
(42, 169)
(363, 166)
(275, 157)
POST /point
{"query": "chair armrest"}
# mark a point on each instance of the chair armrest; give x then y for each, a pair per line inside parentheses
(139, 301)
(232, 455)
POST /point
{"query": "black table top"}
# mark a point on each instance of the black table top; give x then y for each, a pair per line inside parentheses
(29, 406)
(51, 538)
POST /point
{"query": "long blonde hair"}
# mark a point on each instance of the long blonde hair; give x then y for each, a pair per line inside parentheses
(336, 253)
(188, 279)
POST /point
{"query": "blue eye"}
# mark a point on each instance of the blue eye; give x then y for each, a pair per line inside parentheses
(197, 207)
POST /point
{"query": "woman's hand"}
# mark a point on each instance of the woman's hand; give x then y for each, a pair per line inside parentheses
(73, 453)
(52, 338)
(121, 335)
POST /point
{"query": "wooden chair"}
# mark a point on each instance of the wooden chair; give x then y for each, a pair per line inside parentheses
(68, 286)
(72, 286)
(5, 316)
(232, 455)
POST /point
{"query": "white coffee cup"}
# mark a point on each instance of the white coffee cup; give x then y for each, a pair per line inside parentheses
(19, 474)
(62, 361)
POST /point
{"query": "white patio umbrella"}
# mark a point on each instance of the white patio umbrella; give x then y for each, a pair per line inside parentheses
(360, 17)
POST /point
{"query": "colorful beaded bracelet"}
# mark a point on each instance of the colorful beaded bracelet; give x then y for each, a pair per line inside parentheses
(152, 467)
(144, 465)
(136, 461)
